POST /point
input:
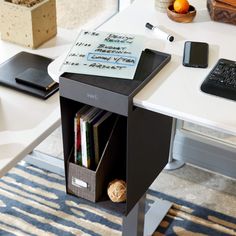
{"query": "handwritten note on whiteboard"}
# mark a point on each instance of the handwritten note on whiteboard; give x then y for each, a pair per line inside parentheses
(104, 54)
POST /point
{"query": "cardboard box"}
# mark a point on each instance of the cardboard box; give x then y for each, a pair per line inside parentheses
(28, 26)
(222, 10)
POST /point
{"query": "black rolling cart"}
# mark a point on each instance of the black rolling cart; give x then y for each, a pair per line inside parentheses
(138, 147)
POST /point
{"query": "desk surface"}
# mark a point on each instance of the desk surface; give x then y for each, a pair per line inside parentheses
(25, 120)
(175, 91)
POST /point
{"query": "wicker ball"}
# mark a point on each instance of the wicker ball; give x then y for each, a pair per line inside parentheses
(117, 190)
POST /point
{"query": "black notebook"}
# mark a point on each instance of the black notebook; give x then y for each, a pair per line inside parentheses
(27, 66)
(35, 78)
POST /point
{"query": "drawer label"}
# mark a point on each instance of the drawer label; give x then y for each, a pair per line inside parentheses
(79, 183)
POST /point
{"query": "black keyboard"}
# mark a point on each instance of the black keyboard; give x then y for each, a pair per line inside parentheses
(221, 81)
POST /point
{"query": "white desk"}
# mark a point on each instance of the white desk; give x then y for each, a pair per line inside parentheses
(175, 91)
(25, 121)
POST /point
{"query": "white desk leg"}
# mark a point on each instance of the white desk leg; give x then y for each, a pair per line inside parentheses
(172, 163)
(137, 223)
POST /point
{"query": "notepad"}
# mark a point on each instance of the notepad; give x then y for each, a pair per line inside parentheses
(104, 54)
(35, 78)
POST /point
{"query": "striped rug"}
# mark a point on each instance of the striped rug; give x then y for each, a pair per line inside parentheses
(33, 202)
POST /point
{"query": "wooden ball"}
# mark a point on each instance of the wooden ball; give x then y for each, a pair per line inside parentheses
(117, 190)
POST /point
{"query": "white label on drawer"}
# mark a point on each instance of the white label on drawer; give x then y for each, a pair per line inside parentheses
(79, 183)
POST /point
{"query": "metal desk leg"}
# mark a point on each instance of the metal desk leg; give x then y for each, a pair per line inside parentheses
(137, 223)
(46, 162)
(133, 223)
(172, 163)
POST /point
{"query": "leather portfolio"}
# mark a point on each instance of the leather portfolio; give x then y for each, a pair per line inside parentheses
(20, 63)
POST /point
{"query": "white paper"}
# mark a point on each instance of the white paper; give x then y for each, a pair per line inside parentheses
(104, 54)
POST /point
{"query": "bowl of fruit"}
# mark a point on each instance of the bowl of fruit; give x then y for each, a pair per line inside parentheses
(181, 11)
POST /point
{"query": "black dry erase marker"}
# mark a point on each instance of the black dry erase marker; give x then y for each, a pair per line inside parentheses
(160, 32)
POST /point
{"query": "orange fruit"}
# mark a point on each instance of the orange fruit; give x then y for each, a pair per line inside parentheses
(181, 6)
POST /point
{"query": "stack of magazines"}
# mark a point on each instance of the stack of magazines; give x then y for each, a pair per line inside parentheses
(93, 127)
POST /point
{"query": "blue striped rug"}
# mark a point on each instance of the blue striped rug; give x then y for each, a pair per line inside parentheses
(33, 202)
